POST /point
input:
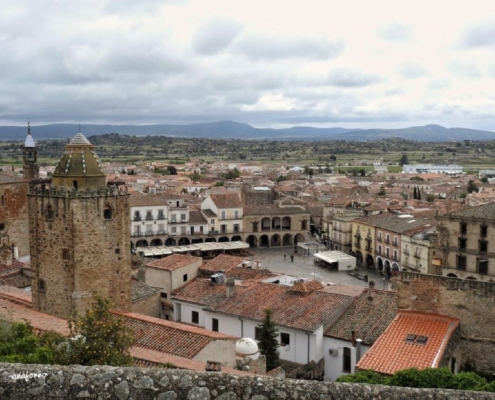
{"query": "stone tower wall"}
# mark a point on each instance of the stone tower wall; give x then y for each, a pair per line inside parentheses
(77, 253)
(473, 302)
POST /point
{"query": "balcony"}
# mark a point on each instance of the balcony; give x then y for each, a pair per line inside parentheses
(417, 255)
(160, 216)
(379, 239)
(136, 234)
(137, 218)
(357, 244)
(406, 252)
(387, 241)
(378, 252)
(369, 249)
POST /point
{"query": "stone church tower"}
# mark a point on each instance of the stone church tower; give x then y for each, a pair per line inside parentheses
(30, 168)
(79, 235)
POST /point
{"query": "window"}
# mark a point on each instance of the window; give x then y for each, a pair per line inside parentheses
(184, 278)
(463, 228)
(223, 228)
(396, 255)
(304, 225)
(107, 212)
(195, 317)
(149, 229)
(258, 333)
(149, 215)
(214, 325)
(41, 285)
(379, 236)
(396, 241)
(462, 244)
(65, 254)
(346, 360)
(284, 339)
(163, 295)
(183, 217)
(482, 267)
(173, 230)
(2, 226)
(49, 212)
(117, 251)
(387, 239)
(173, 218)
(223, 214)
(236, 214)
(461, 262)
(236, 228)
(483, 230)
(379, 250)
(161, 214)
(483, 246)
(137, 216)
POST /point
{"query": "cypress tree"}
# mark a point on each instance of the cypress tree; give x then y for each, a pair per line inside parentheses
(268, 341)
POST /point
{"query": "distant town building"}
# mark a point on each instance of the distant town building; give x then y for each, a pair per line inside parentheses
(431, 168)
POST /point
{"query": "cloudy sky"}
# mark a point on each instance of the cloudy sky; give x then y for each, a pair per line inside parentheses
(268, 63)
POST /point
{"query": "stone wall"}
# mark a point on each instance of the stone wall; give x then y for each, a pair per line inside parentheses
(19, 381)
(473, 302)
(14, 224)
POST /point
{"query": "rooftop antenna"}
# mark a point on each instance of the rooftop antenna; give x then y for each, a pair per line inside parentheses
(29, 127)
(79, 128)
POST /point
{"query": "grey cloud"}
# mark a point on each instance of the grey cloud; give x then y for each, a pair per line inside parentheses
(273, 48)
(396, 32)
(478, 36)
(215, 36)
(412, 71)
(465, 69)
(351, 78)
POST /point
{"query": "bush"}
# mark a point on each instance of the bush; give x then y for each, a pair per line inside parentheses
(370, 377)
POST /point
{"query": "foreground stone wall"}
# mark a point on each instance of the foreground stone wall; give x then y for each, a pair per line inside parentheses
(18, 381)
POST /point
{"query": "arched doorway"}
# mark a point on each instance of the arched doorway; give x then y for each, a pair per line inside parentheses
(388, 269)
(183, 241)
(370, 263)
(264, 241)
(156, 242)
(265, 224)
(276, 223)
(197, 240)
(275, 240)
(223, 239)
(379, 263)
(299, 238)
(359, 257)
(287, 239)
(252, 241)
(236, 238)
(210, 240)
(170, 242)
(142, 243)
(286, 223)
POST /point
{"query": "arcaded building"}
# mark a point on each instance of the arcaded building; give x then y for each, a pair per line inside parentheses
(79, 235)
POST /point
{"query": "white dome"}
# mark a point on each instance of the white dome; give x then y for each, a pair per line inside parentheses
(247, 347)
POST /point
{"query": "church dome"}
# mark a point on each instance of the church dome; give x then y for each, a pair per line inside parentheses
(247, 347)
(79, 167)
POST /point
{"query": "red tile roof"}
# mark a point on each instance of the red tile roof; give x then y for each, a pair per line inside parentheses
(173, 262)
(140, 200)
(170, 337)
(392, 353)
(289, 309)
(222, 262)
(226, 200)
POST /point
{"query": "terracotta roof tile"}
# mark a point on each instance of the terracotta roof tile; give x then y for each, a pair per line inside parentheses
(392, 353)
(140, 200)
(226, 200)
(368, 315)
(222, 262)
(173, 262)
(195, 217)
(289, 309)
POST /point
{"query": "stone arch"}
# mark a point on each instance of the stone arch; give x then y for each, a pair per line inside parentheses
(359, 257)
(275, 240)
(370, 263)
(276, 223)
(196, 240)
(299, 238)
(379, 264)
(252, 240)
(265, 224)
(287, 240)
(223, 239)
(404, 269)
(286, 223)
(184, 241)
(387, 268)
(156, 242)
(395, 267)
(264, 241)
(170, 242)
(471, 278)
(142, 243)
(236, 238)
(210, 240)
(451, 275)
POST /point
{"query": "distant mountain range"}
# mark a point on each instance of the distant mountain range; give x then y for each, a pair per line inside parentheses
(235, 130)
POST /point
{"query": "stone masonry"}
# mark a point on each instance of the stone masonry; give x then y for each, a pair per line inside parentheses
(473, 302)
(19, 381)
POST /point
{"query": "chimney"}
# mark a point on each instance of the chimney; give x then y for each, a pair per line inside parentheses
(230, 287)
(353, 335)
(358, 350)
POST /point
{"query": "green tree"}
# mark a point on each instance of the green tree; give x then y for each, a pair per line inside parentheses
(471, 187)
(484, 179)
(430, 198)
(171, 170)
(194, 176)
(403, 160)
(382, 191)
(268, 341)
(97, 338)
(233, 174)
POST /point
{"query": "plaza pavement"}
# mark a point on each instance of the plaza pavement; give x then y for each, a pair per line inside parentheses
(303, 267)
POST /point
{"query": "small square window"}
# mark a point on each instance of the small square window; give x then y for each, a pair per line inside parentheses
(65, 254)
(195, 317)
(214, 325)
(41, 285)
(258, 333)
(184, 278)
(284, 339)
(163, 295)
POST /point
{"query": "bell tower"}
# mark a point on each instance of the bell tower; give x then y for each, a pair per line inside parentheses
(30, 168)
(79, 235)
